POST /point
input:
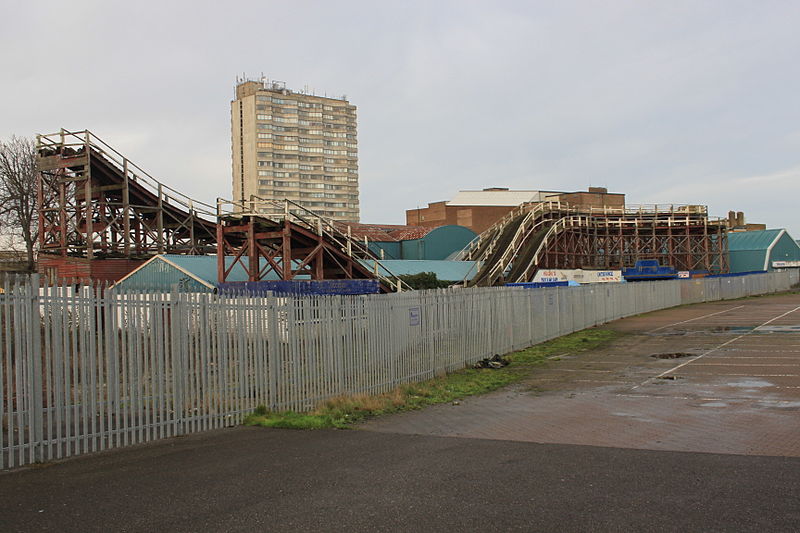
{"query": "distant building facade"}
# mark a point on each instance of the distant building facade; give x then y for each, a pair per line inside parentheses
(478, 210)
(392, 242)
(295, 146)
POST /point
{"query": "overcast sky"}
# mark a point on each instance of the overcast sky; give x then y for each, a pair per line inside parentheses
(668, 102)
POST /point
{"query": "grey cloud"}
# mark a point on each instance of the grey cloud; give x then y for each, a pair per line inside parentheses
(669, 102)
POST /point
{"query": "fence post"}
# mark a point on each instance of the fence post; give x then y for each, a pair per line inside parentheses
(35, 374)
(178, 363)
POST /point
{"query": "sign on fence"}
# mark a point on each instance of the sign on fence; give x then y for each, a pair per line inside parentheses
(414, 316)
(578, 275)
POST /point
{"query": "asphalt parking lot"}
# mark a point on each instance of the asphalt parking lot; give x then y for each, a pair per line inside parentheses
(722, 377)
(608, 440)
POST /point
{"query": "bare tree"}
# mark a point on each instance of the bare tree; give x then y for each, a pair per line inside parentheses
(18, 215)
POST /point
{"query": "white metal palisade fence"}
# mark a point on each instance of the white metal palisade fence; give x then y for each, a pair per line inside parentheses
(86, 369)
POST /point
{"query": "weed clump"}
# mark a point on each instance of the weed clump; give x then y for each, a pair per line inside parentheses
(343, 411)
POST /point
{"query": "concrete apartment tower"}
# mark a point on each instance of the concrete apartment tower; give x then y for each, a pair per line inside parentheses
(295, 146)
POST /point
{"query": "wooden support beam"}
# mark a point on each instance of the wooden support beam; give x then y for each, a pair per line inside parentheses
(220, 253)
(287, 251)
(160, 221)
(253, 257)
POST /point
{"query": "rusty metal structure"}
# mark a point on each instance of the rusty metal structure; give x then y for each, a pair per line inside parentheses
(100, 215)
(556, 235)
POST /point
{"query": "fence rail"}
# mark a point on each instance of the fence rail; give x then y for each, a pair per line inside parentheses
(90, 369)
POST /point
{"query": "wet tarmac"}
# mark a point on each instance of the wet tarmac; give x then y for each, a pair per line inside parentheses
(717, 378)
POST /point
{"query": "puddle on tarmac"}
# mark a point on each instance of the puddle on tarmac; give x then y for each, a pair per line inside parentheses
(637, 417)
(730, 330)
(779, 329)
(750, 384)
(780, 404)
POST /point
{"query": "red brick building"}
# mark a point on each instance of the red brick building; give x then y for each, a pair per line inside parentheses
(478, 210)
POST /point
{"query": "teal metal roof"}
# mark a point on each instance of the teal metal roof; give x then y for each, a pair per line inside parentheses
(189, 272)
(444, 270)
(427, 243)
(752, 240)
(204, 267)
(198, 273)
(752, 251)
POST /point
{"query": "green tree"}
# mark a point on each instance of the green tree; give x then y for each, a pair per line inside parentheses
(425, 280)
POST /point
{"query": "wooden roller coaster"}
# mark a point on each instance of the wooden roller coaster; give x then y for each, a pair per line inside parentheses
(100, 215)
(556, 235)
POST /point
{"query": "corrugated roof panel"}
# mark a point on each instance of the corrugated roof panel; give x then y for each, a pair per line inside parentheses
(411, 233)
(747, 260)
(204, 267)
(748, 249)
(444, 270)
(373, 232)
(385, 232)
(199, 272)
(159, 274)
(191, 272)
(752, 240)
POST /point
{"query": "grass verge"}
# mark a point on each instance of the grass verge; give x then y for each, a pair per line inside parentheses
(342, 411)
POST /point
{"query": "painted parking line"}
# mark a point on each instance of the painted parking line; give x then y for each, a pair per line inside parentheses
(714, 349)
(696, 318)
(559, 369)
(745, 347)
(621, 382)
(748, 375)
(746, 364)
(759, 357)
